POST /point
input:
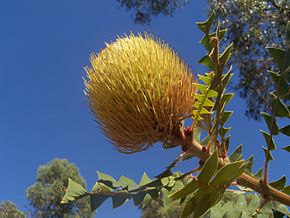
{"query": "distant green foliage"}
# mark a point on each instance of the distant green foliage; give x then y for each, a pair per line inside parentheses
(45, 195)
(10, 210)
(253, 25)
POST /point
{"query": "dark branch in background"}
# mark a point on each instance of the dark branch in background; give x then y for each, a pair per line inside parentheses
(145, 9)
(252, 26)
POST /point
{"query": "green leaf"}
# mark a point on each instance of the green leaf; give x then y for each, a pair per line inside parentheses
(206, 201)
(206, 25)
(127, 183)
(206, 40)
(286, 190)
(280, 83)
(278, 184)
(249, 166)
(144, 180)
(287, 148)
(285, 130)
(227, 173)
(119, 200)
(185, 191)
(202, 88)
(225, 56)
(205, 60)
(97, 200)
(107, 180)
(225, 116)
(205, 79)
(279, 108)
(278, 54)
(208, 169)
(73, 192)
(259, 173)
(223, 131)
(197, 133)
(188, 208)
(237, 154)
(269, 140)
(227, 97)
(138, 198)
(212, 94)
(271, 123)
(226, 78)
(270, 157)
(278, 214)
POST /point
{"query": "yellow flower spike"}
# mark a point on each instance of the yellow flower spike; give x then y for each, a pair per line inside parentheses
(138, 89)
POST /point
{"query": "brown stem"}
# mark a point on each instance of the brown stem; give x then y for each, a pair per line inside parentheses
(246, 180)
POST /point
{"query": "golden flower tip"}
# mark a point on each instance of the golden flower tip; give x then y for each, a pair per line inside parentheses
(138, 89)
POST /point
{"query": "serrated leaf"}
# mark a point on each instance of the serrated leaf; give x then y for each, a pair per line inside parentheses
(97, 200)
(249, 166)
(206, 40)
(205, 60)
(223, 131)
(210, 198)
(225, 56)
(127, 183)
(227, 141)
(206, 25)
(269, 140)
(146, 200)
(208, 169)
(269, 155)
(281, 83)
(227, 97)
(286, 190)
(237, 154)
(225, 116)
(279, 184)
(279, 108)
(205, 79)
(188, 208)
(73, 192)
(227, 173)
(107, 180)
(271, 123)
(144, 180)
(138, 198)
(285, 130)
(202, 88)
(197, 133)
(259, 173)
(212, 94)
(186, 190)
(278, 54)
(119, 200)
(287, 148)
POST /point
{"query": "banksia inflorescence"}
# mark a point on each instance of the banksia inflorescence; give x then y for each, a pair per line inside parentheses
(139, 89)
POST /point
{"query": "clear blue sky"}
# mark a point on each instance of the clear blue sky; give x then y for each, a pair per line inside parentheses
(44, 46)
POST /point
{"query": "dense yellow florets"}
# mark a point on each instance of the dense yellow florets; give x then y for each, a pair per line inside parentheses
(138, 89)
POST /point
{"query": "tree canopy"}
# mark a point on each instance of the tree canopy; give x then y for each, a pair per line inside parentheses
(8, 209)
(45, 195)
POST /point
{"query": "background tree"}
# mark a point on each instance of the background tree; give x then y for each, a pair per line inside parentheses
(253, 25)
(144, 10)
(10, 210)
(45, 195)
